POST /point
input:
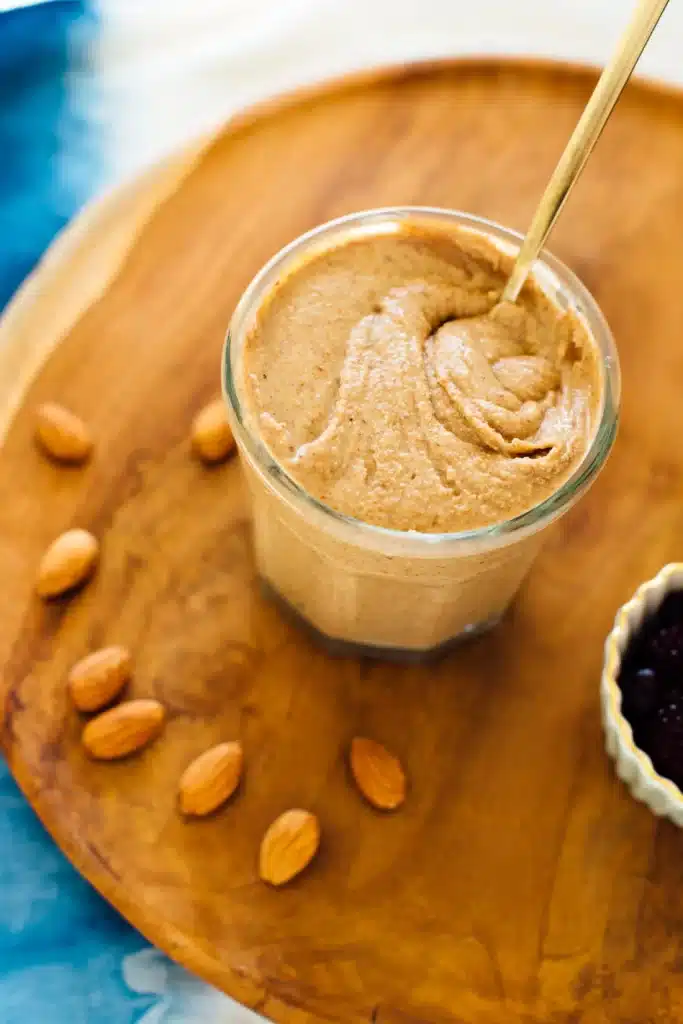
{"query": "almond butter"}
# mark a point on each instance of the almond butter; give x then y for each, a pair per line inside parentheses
(212, 437)
(67, 563)
(378, 774)
(97, 679)
(210, 779)
(289, 845)
(123, 730)
(62, 434)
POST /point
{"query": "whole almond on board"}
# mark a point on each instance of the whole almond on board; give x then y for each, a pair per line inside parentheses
(62, 434)
(289, 845)
(378, 774)
(67, 563)
(97, 679)
(123, 730)
(210, 779)
(212, 437)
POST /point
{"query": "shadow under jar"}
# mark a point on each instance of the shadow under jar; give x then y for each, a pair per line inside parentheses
(399, 593)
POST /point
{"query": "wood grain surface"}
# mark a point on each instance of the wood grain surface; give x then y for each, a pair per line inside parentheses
(520, 882)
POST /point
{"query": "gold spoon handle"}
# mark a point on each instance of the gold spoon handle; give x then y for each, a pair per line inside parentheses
(587, 132)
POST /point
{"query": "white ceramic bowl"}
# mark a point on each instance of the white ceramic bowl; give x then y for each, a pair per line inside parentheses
(633, 765)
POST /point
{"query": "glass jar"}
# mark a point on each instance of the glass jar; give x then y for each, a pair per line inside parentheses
(392, 593)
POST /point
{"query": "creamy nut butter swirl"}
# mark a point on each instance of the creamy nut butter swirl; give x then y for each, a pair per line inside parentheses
(388, 379)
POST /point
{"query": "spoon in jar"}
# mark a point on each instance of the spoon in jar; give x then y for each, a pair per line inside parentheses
(587, 132)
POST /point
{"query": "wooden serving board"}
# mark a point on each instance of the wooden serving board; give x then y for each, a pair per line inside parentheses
(520, 883)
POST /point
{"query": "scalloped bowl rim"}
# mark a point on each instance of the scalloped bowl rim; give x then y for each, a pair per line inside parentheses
(634, 609)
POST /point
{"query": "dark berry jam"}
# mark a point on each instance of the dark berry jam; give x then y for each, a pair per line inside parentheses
(651, 682)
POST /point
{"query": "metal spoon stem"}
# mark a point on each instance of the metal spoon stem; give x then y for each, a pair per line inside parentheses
(587, 132)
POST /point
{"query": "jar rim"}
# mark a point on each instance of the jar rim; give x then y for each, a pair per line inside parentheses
(371, 222)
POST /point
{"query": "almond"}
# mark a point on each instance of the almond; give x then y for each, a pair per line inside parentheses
(62, 434)
(289, 845)
(97, 679)
(378, 774)
(123, 730)
(210, 779)
(67, 563)
(212, 437)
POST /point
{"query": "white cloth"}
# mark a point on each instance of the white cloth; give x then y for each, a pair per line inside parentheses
(170, 71)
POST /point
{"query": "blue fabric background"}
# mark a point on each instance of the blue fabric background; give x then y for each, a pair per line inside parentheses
(39, 48)
(62, 948)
